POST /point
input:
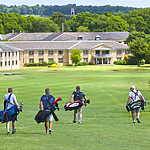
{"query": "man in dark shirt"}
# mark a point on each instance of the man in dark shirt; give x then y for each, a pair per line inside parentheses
(77, 95)
(46, 100)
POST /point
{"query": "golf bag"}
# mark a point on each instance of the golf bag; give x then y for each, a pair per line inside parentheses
(8, 114)
(76, 104)
(43, 114)
(134, 105)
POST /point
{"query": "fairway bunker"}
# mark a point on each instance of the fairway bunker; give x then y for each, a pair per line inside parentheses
(11, 74)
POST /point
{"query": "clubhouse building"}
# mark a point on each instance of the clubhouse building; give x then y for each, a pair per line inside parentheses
(96, 47)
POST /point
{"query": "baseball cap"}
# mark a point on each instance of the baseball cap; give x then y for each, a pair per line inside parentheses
(132, 87)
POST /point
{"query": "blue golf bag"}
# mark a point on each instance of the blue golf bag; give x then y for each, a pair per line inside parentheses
(10, 114)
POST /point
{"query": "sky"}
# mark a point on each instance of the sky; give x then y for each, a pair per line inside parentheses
(129, 3)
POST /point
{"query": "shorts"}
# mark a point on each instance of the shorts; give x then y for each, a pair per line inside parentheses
(137, 110)
(50, 118)
(13, 118)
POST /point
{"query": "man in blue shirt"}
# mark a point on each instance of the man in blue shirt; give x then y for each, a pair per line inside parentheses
(77, 95)
(46, 100)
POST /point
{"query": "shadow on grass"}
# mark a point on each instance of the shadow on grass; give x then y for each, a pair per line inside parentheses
(145, 67)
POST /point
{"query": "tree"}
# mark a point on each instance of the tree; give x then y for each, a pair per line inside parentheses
(75, 56)
(83, 29)
(139, 49)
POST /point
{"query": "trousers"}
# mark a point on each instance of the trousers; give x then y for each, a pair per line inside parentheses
(79, 110)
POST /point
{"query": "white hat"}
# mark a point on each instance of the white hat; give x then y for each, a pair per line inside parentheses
(132, 87)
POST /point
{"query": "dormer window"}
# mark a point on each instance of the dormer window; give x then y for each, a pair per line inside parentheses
(97, 38)
(80, 37)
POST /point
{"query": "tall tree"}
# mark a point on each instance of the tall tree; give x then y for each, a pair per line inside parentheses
(139, 48)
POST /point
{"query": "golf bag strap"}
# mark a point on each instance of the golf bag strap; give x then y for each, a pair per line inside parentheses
(7, 101)
(136, 94)
(49, 97)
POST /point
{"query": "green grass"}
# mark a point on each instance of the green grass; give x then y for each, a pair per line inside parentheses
(106, 125)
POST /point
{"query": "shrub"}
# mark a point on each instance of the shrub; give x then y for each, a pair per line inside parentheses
(50, 63)
(53, 65)
(70, 64)
(90, 63)
(84, 63)
(142, 62)
(79, 64)
(120, 62)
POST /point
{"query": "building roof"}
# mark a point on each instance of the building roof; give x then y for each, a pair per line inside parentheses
(5, 47)
(66, 36)
(61, 45)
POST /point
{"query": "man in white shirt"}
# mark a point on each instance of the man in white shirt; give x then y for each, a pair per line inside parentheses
(135, 95)
(10, 100)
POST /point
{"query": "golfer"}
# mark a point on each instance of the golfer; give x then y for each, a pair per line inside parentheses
(77, 95)
(46, 100)
(135, 95)
(10, 100)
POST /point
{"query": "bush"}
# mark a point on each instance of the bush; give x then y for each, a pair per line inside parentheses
(142, 62)
(53, 65)
(79, 64)
(84, 63)
(70, 65)
(35, 64)
(120, 62)
(90, 63)
(50, 63)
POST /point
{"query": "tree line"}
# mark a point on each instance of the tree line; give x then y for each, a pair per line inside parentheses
(135, 20)
(65, 9)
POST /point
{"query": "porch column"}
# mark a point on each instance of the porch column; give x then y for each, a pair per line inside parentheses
(96, 61)
(102, 61)
(107, 61)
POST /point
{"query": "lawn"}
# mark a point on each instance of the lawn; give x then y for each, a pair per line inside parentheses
(106, 124)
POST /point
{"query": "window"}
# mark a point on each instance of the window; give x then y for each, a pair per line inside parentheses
(0, 54)
(50, 52)
(60, 60)
(50, 60)
(97, 52)
(85, 52)
(41, 60)
(41, 52)
(118, 51)
(31, 52)
(5, 54)
(12, 62)
(60, 52)
(85, 59)
(1, 63)
(9, 63)
(12, 53)
(119, 58)
(97, 38)
(16, 62)
(9, 54)
(31, 60)
(5, 63)
(126, 51)
(80, 37)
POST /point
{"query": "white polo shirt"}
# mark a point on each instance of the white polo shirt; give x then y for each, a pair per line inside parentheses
(12, 99)
(133, 95)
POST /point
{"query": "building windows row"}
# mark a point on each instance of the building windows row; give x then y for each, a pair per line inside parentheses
(60, 52)
(60, 60)
(119, 58)
(8, 54)
(0, 54)
(8, 63)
